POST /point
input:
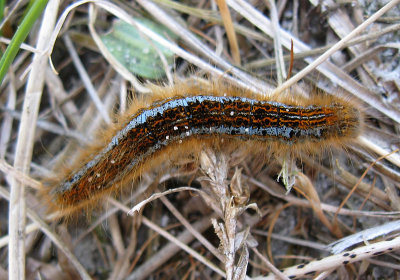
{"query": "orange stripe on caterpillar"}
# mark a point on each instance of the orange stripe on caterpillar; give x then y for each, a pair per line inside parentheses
(201, 116)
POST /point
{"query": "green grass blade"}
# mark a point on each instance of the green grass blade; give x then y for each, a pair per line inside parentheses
(22, 32)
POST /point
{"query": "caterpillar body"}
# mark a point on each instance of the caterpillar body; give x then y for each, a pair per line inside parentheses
(180, 120)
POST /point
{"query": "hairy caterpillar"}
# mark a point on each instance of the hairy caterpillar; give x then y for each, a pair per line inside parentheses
(180, 120)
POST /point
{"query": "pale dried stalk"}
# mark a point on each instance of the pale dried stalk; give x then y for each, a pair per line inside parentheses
(280, 64)
(23, 154)
(334, 261)
(232, 202)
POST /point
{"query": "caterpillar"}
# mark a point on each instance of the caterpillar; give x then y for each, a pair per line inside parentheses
(181, 119)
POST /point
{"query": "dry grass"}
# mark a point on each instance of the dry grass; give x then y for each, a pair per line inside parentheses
(238, 222)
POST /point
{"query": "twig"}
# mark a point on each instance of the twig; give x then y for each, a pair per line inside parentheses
(23, 154)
